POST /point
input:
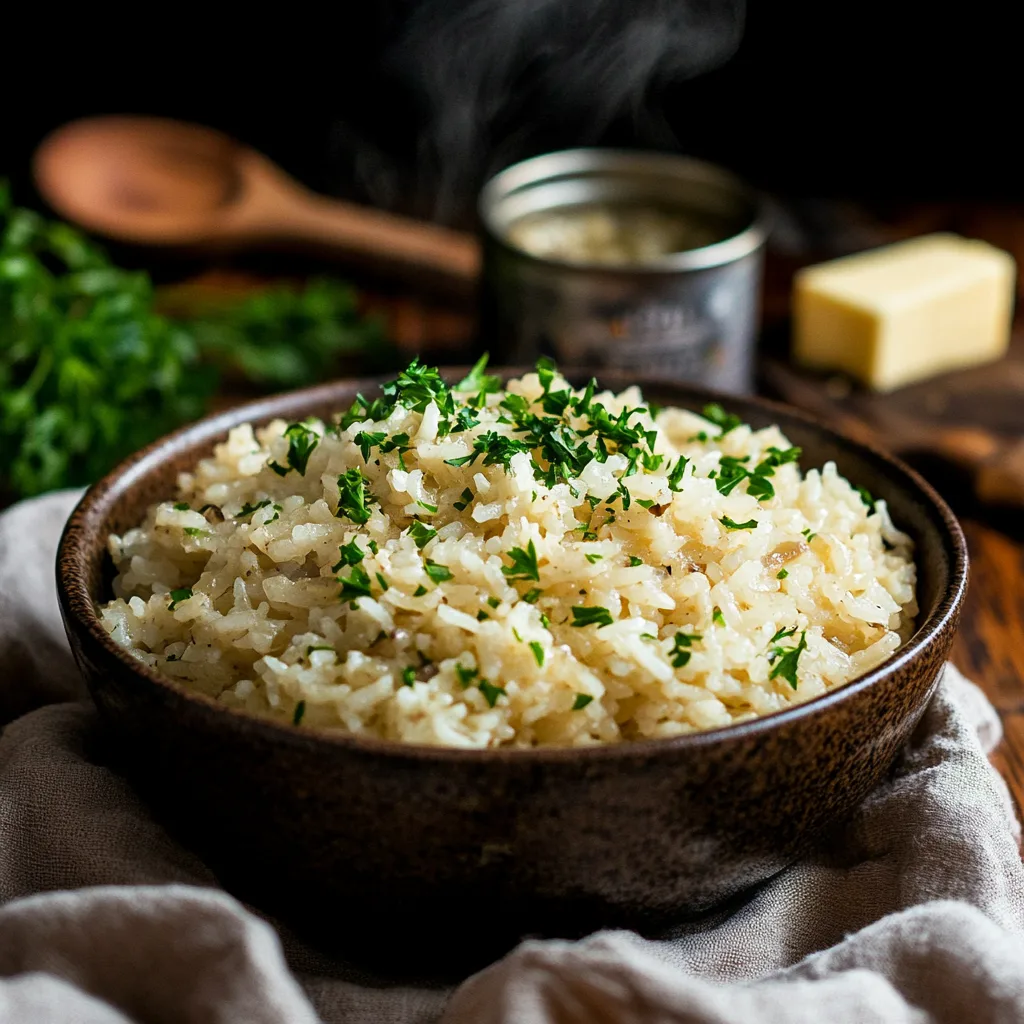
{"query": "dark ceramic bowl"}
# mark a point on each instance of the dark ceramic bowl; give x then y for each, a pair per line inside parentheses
(326, 828)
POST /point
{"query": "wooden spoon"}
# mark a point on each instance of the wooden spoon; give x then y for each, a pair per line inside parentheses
(160, 182)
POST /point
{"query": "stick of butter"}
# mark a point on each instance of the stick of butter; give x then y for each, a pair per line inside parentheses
(907, 311)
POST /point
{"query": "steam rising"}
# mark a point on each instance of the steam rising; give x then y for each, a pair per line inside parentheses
(499, 80)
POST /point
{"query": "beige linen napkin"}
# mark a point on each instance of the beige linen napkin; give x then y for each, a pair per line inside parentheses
(912, 912)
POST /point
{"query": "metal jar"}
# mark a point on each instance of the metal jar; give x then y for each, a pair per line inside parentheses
(692, 315)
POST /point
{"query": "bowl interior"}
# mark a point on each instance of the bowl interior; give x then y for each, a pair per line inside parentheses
(120, 500)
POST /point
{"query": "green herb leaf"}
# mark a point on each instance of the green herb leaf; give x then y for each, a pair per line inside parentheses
(538, 652)
(421, 534)
(491, 692)
(384, 586)
(419, 591)
(714, 413)
(786, 659)
(634, 561)
(300, 711)
(717, 617)
(865, 496)
(581, 701)
(179, 595)
(680, 653)
(782, 574)
(532, 595)
(353, 499)
(438, 573)
(808, 535)
(477, 381)
(524, 564)
(367, 440)
(351, 554)
(247, 509)
(182, 506)
(782, 634)
(302, 442)
(464, 499)
(318, 647)
(409, 675)
(429, 508)
(593, 558)
(465, 675)
(355, 585)
(591, 616)
(730, 524)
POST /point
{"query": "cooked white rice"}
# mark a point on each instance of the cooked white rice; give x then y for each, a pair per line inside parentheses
(709, 625)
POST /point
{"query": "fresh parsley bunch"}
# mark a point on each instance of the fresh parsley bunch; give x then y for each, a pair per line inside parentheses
(88, 372)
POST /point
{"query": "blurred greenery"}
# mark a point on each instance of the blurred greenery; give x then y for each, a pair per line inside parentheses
(89, 372)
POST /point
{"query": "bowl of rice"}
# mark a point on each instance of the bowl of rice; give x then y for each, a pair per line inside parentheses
(519, 650)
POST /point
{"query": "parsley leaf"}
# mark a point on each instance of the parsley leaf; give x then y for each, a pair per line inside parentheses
(680, 653)
(865, 496)
(247, 509)
(300, 711)
(421, 533)
(581, 701)
(351, 554)
(730, 524)
(367, 440)
(592, 558)
(591, 616)
(355, 585)
(353, 501)
(532, 595)
(491, 692)
(717, 617)
(302, 441)
(464, 499)
(438, 573)
(419, 591)
(182, 506)
(478, 381)
(538, 652)
(179, 595)
(782, 634)
(524, 564)
(727, 421)
(633, 560)
(409, 675)
(785, 660)
(465, 675)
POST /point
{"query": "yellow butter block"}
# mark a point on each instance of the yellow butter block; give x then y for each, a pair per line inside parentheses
(907, 311)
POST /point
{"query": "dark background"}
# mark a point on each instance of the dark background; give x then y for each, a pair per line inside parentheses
(821, 99)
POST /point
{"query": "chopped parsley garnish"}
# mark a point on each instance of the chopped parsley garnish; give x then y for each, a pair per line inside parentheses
(784, 659)
(195, 531)
(429, 508)
(727, 421)
(524, 564)
(680, 653)
(464, 499)
(782, 574)
(865, 496)
(591, 616)
(545, 621)
(731, 524)
(318, 647)
(648, 636)
(645, 502)
(438, 573)
(353, 500)
(419, 591)
(517, 635)
(538, 652)
(367, 440)
(493, 602)
(481, 615)
(351, 554)
(179, 595)
(355, 585)
(302, 440)
(300, 711)
(581, 701)
(782, 634)
(247, 509)
(634, 561)
(476, 381)
(384, 586)
(421, 534)
(491, 692)
(808, 535)
(182, 506)
(717, 617)
(532, 595)
(409, 675)
(594, 558)
(466, 675)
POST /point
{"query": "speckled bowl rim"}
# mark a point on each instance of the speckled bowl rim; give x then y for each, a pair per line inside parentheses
(81, 617)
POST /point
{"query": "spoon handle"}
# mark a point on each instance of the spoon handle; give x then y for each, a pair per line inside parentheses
(400, 246)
